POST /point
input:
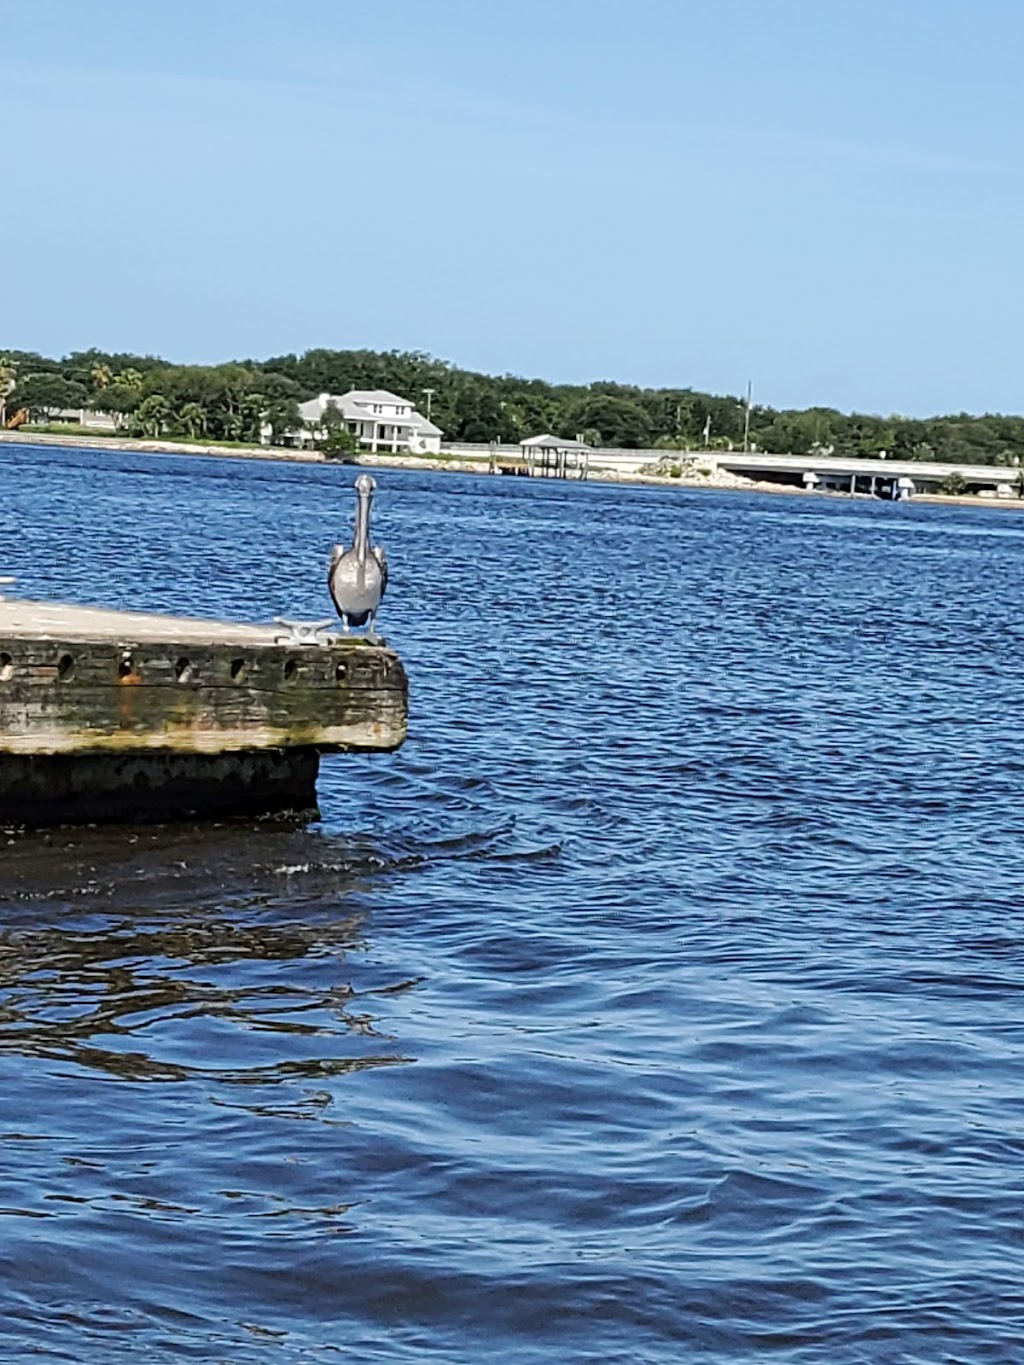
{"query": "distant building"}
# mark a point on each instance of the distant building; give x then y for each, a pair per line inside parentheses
(378, 419)
(83, 417)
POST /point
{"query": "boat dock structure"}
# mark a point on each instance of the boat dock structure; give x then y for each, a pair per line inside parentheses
(124, 716)
(546, 457)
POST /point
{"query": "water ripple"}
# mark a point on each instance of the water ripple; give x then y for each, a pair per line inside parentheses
(659, 1001)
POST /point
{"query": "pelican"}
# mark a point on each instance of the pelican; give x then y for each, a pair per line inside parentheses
(358, 577)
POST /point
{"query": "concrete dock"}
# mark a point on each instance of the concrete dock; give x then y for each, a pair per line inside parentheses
(108, 715)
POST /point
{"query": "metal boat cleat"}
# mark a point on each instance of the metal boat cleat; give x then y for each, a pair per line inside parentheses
(303, 632)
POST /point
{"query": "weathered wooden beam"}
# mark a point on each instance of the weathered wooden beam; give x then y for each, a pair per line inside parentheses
(85, 683)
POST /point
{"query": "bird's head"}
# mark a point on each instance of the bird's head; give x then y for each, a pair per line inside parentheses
(366, 485)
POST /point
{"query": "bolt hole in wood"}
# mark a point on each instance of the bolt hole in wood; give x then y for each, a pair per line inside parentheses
(6, 668)
(65, 667)
(341, 672)
(125, 668)
(237, 670)
(183, 670)
(291, 669)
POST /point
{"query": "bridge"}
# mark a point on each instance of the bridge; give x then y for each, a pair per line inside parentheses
(863, 474)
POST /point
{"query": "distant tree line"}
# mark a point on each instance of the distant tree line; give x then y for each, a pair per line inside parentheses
(233, 402)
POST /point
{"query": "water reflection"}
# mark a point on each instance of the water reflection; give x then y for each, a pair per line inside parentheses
(114, 943)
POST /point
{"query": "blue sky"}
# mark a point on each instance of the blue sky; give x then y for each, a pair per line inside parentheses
(822, 196)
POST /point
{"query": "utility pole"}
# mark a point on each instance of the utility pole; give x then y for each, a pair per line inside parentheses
(746, 419)
(430, 398)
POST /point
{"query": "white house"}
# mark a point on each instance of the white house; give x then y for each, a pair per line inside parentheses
(378, 419)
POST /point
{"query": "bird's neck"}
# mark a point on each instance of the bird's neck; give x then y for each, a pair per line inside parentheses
(361, 539)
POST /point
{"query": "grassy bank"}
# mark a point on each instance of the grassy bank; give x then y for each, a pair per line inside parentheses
(88, 433)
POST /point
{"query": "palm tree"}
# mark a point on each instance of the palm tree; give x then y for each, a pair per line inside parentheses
(252, 412)
(153, 414)
(8, 379)
(281, 416)
(101, 375)
(192, 418)
(131, 379)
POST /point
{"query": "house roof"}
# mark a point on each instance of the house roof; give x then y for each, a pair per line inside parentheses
(376, 396)
(352, 407)
(549, 442)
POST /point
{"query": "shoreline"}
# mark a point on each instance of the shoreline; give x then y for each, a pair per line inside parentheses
(718, 482)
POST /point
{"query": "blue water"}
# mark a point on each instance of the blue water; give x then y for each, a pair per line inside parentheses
(661, 1000)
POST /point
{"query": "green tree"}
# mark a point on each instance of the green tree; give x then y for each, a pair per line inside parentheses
(954, 485)
(8, 381)
(331, 434)
(231, 384)
(279, 386)
(152, 415)
(783, 433)
(192, 419)
(45, 394)
(282, 417)
(480, 414)
(119, 400)
(618, 421)
(252, 412)
(339, 443)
